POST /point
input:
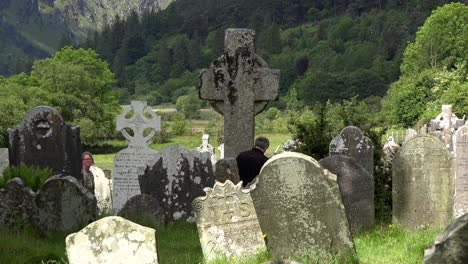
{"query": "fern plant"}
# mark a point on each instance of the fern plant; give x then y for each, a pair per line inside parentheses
(31, 176)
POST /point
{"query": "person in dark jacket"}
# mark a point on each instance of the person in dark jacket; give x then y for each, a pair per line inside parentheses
(250, 162)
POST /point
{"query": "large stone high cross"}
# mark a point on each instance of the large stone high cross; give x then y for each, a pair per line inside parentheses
(239, 85)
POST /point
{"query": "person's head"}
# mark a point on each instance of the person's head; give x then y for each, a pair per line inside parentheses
(262, 143)
(87, 159)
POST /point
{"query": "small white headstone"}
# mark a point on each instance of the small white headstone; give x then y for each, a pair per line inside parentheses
(221, 151)
(206, 147)
(102, 190)
(112, 240)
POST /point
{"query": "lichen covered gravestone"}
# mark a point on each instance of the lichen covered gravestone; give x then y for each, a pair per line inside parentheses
(227, 169)
(112, 240)
(176, 177)
(43, 140)
(16, 203)
(451, 246)
(132, 161)
(354, 182)
(239, 85)
(299, 208)
(460, 206)
(227, 223)
(145, 208)
(63, 206)
(422, 183)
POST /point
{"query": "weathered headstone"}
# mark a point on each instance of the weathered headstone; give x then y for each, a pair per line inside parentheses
(16, 203)
(461, 172)
(410, 133)
(43, 140)
(389, 149)
(226, 169)
(132, 161)
(63, 206)
(176, 177)
(144, 207)
(352, 142)
(444, 126)
(451, 246)
(354, 182)
(239, 85)
(102, 190)
(4, 161)
(221, 151)
(112, 240)
(299, 208)
(206, 147)
(227, 223)
(422, 183)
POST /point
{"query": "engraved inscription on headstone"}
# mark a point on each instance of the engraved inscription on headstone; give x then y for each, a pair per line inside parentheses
(227, 223)
(422, 183)
(45, 141)
(239, 85)
(132, 161)
(461, 172)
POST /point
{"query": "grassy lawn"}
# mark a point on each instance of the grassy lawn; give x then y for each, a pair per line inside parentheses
(179, 244)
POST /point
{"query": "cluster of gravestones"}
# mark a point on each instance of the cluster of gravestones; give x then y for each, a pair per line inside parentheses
(295, 206)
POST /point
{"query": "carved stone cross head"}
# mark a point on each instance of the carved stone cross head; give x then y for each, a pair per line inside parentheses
(138, 123)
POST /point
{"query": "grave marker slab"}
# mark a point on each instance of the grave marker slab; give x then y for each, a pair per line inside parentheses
(63, 206)
(132, 161)
(461, 172)
(410, 133)
(227, 223)
(226, 169)
(112, 240)
(176, 177)
(45, 141)
(144, 207)
(16, 203)
(299, 208)
(239, 85)
(355, 184)
(422, 183)
(4, 161)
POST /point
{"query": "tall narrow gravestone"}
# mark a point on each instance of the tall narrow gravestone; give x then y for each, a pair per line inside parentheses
(45, 141)
(299, 208)
(132, 161)
(422, 183)
(461, 172)
(227, 223)
(239, 85)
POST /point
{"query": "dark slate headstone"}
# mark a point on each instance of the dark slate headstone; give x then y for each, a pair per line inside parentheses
(143, 207)
(45, 141)
(451, 246)
(176, 178)
(355, 187)
(16, 203)
(63, 206)
(352, 142)
(299, 208)
(226, 169)
(422, 183)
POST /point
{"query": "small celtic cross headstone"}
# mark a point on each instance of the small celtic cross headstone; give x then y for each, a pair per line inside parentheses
(206, 147)
(239, 85)
(130, 162)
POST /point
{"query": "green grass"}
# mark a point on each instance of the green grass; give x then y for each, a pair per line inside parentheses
(179, 243)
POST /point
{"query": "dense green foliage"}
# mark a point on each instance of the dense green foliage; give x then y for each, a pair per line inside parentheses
(75, 82)
(331, 50)
(32, 177)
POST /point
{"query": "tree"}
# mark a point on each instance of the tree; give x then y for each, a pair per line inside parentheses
(189, 104)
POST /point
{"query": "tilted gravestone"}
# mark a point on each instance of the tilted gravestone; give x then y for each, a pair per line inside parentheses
(43, 140)
(299, 208)
(132, 161)
(144, 208)
(354, 182)
(63, 206)
(4, 161)
(16, 203)
(227, 223)
(239, 85)
(445, 125)
(206, 147)
(451, 246)
(112, 240)
(227, 169)
(422, 183)
(461, 172)
(176, 177)
(352, 142)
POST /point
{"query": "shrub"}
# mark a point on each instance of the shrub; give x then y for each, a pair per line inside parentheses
(32, 177)
(180, 126)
